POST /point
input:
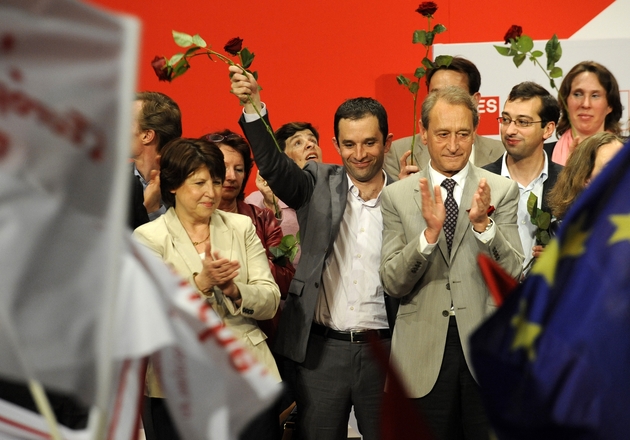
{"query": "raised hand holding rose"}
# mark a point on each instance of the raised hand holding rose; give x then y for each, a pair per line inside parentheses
(178, 64)
(424, 37)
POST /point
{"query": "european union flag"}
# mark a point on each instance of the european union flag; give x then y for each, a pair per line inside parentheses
(554, 361)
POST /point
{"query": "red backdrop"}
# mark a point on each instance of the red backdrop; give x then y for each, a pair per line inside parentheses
(313, 55)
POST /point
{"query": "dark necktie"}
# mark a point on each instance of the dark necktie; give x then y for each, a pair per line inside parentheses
(451, 212)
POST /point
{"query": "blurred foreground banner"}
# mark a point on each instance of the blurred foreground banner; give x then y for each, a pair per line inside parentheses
(81, 305)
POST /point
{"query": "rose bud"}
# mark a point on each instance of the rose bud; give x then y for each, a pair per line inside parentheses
(427, 9)
(514, 32)
(234, 46)
(159, 66)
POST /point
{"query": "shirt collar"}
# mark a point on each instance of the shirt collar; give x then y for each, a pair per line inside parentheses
(460, 178)
(543, 173)
(352, 189)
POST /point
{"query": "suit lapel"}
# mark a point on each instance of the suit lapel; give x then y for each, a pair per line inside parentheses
(221, 236)
(418, 152)
(339, 187)
(181, 242)
(463, 222)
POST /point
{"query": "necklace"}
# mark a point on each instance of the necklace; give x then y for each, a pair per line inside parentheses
(196, 243)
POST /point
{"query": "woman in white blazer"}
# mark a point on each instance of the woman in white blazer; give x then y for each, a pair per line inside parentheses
(215, 251)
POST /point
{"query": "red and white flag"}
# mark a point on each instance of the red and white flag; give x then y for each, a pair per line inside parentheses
(81, 305)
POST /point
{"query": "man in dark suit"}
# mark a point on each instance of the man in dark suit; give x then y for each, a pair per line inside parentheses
(336, 301)
(435, 223)
(528, 119)
(460, 73)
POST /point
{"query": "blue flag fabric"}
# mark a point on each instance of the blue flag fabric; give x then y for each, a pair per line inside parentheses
(554, 361)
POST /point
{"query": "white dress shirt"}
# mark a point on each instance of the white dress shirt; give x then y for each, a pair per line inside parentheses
(526, 229)
(351, 295)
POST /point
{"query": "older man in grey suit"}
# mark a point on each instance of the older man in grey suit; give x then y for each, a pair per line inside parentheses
(336, 301)
(460, 73)
(430, 245)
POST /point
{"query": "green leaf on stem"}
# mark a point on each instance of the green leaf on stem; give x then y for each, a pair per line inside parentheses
(505, 51)
(553, 49)
(255, 75)
(182, 39)
(439, 28)
(420, 72)
(544, 220)
(537, 53)
(427, 63)
(443, 60)
(420, 37)
(197, 40)
(413, 87)
(430, 38)
(552, 83)
(180, 68)
(247, 57)
(544, 238)
(532, 204)
(524, 43)
(403, 80)
(556, 72)
(191, 51)
(518, 59)
(175, 59)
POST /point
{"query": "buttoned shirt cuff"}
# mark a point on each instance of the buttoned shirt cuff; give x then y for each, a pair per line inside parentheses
(251, 117)
(486, 235)
(424, 246)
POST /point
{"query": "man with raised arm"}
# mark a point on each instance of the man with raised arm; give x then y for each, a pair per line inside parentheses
(336, 301)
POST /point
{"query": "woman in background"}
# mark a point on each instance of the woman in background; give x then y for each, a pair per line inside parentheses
(589, 96)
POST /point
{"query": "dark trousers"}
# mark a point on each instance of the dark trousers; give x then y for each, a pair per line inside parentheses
(453, 408)
(335, 376)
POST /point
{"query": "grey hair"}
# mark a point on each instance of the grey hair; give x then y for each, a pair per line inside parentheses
(453, 96)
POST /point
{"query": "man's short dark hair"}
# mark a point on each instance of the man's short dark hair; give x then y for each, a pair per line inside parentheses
(160, 114)
(463, 66)
(549, 109)
(181, 157)
(451, 95)
(359, 108)
(288, 130)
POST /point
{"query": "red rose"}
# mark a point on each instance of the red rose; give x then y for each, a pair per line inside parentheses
(159, 65)
(427, 9)
(234, 46)
(514, 32)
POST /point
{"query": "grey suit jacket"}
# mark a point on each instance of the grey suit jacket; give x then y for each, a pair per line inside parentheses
(318, 194)
(234, 236)
(427, 285)
(486, 151)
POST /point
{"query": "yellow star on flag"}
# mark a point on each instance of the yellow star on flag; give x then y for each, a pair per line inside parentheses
(526, 332)
(573, 245)
(547, 262)
(622, 233)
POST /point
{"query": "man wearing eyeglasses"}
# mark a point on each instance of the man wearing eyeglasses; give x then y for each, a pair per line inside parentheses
(528, 119)
(460, 73)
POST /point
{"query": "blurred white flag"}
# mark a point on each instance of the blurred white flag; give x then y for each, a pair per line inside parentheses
(76, 293)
